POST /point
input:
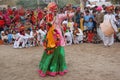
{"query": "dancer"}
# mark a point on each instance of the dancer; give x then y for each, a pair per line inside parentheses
(53, 60)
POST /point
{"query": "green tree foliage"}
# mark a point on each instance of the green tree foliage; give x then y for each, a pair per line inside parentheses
(30, 3)
(62, 3)
(115, 1)
(33, 3)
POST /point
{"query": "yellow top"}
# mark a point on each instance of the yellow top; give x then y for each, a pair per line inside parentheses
(50, 38)
(81, 24)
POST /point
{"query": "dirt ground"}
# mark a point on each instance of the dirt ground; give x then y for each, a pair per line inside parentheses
(85, 62)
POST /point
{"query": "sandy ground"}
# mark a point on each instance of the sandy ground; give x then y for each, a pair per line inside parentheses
(85, 62)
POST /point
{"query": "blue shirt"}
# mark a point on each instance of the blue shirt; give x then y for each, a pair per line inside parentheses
(90, 25)
(86, 18)
(10, 38)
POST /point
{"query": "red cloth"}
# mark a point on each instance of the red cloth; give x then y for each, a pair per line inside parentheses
(33, 19)
(7, 19)
(17, 18)
(64, 28)
(2, 22)
(49, 17)
(90, 37)
(21, 12)
(40, 15)
(9, 11)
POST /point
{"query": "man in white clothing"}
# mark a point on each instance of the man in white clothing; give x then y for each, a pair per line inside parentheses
(68, 36)
(78, 35)
(109, 40)
(41, 35)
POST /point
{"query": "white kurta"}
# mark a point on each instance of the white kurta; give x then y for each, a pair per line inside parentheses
(68, 37)
(41, 35)
(79, 37)
(108, 41)
(19, 39)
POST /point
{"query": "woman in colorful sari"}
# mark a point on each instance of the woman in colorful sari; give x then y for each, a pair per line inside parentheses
(53, 60)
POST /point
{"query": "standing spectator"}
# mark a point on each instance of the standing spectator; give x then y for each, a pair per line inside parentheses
(70, 24)
(86, 20)
(90, 24)
(77, 16)
(99, 19)
(109, 17)
(82, 21)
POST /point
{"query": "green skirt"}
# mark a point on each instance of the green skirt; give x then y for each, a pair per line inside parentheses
(53, 64)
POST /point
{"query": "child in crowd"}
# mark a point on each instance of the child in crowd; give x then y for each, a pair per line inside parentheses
(77, 35)
(117, 21)
(64, 27)
(86, 19)
(28, 38)
(118, 36)
(90, 24)
(10, 37)
(70, 24)
(35, 38)
(84, 36)
(14, 35)
(68, 36)
(90, 36)
(41, 34)
(96, 38)
(4, 37)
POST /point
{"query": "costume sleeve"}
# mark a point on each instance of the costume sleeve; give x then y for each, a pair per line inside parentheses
(113, 20)
(64, 16)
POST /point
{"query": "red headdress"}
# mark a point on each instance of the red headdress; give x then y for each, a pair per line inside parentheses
(110, 8)
(22, 28)
(52, 6)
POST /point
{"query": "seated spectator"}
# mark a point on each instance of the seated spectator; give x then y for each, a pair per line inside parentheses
(96, 38)
(84, 36)
(41, 34)
(70, 24)
(35, 40)
(118, 36)
(14, 35)
(77, 35)
(10, 37)
(68, 36)
(21, 39)
(4, 37)
(90, 36)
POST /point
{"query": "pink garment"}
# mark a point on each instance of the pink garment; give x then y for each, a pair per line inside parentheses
(42, 74)
(99, 8)
(57, 23)
(7, 19)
